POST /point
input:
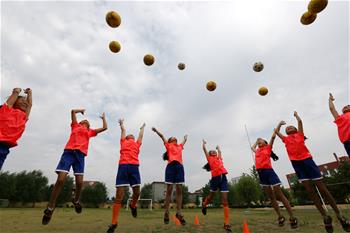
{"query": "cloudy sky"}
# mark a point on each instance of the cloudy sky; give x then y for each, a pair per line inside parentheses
(60, 50)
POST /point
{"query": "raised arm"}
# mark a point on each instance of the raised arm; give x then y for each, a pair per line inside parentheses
(159, 134)
(122, 128)
(300, 122)
(253, 148)
(205, 148)
(278, 128)
(272, 139)
(142, 130)
(184, 140)
(104, 124)
(74, 112)
(332, 107)
(29, 100)
(13, 97)
(219, 151)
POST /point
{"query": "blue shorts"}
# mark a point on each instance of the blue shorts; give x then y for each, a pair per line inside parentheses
(268, 177)
(306, 169)
(347, 147)
(71, 158)
(174, 173)
(128, 174)
(4, 151)
(219, 182)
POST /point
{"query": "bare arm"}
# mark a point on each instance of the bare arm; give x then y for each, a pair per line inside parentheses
(13, 97)
(219, 152)
(160, 135)
(74, 112)
(332, 107)
(104, 124)
(122, 128)
(272, 139)
(29, 99)
(205, 148)
(300, 122)
(278, 128)
(142, 130)
(184, 140)
(253, 148)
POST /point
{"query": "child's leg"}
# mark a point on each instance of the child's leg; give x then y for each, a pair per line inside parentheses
(78, 186)
(314, 197)
(325, 192)
(4, 151)
(135, 196)
(117, 204)
(280, 196)
(169, 191)
(178, 198)
(226, 209)
(61, 177)
(209, 198)
(268, 190)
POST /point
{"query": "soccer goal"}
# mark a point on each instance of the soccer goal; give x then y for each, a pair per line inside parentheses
(141, 203)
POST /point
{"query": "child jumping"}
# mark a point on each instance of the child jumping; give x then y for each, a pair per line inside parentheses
(343, 123)
(73, 156)
(128, 173)
(14, 114)
(174, 174)
(307, 171)
(218, 181)
(269, 179)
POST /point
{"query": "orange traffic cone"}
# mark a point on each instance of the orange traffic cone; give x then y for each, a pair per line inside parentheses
(245, 227)
(177, 222)
(196, 220)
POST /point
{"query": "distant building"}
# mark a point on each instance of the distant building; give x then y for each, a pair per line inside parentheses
(326, 169)
(235, 180)
(196, 195)
(159, 191)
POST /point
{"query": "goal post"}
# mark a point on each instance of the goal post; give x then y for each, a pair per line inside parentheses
(141, 202)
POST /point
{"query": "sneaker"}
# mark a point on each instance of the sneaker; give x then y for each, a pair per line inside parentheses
(345, 224)
(281, 221)
(111, 228)
(166, 218)
(293, 223)
(227, 227)
(47, 216)
(328, 224)
(181, 219)
(133, 211)
(77, 206)
(204, 209)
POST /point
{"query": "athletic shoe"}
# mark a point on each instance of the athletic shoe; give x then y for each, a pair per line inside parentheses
(227, 227)
(293, 223)
(281, 221)
(328, 224)
(204, 209)
(345, 224)
(133, 211)
(77, 206)
(181, 219)
(47, 216)
(111, 228)
(166, 218)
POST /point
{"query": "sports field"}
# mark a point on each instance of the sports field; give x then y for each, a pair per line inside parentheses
(96, 220)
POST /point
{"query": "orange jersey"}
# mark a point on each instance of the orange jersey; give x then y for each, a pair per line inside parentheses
(262, 157)
(129, 151)
(12, 124)
(79, 138)
(216, 166)
(174, 152)
(343, 123)
(295, 145)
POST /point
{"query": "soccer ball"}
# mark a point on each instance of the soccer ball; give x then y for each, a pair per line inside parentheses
(258, 66)
(148, 59)
(181, 66)
(263, 91)
(316, 6)
(113, 19)
(211, 86)
(308, 18)
(114, 46)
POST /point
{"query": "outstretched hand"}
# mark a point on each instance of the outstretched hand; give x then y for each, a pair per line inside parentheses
(217, 147)
(282, 123)
(331, 98)
(295, 114)
(143, 126)
(154, 129)
(103, 116)
(27, 91)
(204, 142)
(121, 121)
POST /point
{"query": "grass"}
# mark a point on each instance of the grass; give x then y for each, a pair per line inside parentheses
(65, 220)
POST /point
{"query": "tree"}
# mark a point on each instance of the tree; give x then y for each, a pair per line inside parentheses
(146, 191)
(216, 200)
(339, 183)
(8, 185)
(185, 195)
(255, 175)
(94, 195)
(65, 194)
(248, 190)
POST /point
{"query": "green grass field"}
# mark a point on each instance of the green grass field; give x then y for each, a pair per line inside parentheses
(96, 220)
